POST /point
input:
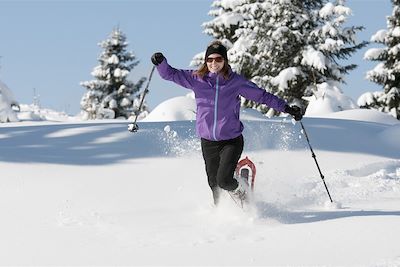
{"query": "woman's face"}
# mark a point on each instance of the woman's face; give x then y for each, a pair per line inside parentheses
(215, 63)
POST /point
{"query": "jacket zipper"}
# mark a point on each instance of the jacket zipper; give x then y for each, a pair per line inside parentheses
(215, 109)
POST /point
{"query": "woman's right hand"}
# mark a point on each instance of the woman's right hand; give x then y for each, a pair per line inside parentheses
(157, 58)
(295, 111)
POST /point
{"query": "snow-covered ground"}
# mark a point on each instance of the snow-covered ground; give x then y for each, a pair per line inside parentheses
(92, 193)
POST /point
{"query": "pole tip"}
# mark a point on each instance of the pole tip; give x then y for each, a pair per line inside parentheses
(330, 205)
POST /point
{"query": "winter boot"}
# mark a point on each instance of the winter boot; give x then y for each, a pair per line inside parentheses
(216, 192)
(239, 195)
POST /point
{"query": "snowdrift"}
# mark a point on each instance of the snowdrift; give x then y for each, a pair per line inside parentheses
(91, 193)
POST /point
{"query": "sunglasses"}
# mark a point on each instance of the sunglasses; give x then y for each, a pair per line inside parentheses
(217, 59)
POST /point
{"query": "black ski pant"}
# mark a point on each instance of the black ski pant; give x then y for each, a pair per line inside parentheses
(221, 158)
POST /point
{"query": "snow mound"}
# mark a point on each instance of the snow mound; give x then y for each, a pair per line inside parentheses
(327, 99)
(368, 115)
(35, 113)
(183, 108)
(179, 108)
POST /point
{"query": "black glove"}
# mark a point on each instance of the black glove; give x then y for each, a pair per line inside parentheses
(157, 58)
(295, 111)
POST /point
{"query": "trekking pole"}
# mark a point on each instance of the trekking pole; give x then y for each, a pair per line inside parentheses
(315, 159)
(133, 127)
(308, 141)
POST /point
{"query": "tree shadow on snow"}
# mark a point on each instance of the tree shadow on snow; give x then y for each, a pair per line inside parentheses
(269, 211)
(87, 144)
(346, 136)
(106, 143)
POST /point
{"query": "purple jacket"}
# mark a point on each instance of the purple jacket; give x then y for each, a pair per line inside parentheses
(217, 99)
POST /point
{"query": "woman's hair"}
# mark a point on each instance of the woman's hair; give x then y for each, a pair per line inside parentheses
(203, 69)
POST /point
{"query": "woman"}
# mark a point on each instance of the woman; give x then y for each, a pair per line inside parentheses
(217, 89)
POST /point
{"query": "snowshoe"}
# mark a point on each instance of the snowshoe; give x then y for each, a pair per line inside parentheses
(242, 195)
(243, 169)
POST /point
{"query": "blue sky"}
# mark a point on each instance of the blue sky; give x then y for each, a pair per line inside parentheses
(52, 45)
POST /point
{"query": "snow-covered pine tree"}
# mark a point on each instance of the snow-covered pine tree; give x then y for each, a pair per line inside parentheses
(298, 44)
(386, 73)
(111, 94)
(328, 45)
(288, 46)
(226, 20)
(228, 17)
(272, 60)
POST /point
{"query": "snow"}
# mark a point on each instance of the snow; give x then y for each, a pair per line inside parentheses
(328, 29)
(98, 71)
(394, 50)
(379, 36)
(231, 4)
(125, 102)
(328, 99)
(374, 53)
(183, 108)
(92, 193)
(35, 113)
(279, 32)
(314, 58)
(342, 10)
(228, 19)
(113, 59)
(330, 45)
(367, 115)
(120, 73)
(378, 70)
(396, 31)
(285, 76)
(6, 100)
(329, 10)
(369, 98)
(177, 108)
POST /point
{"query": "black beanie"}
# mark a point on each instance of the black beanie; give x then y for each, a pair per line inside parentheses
(216, 48)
